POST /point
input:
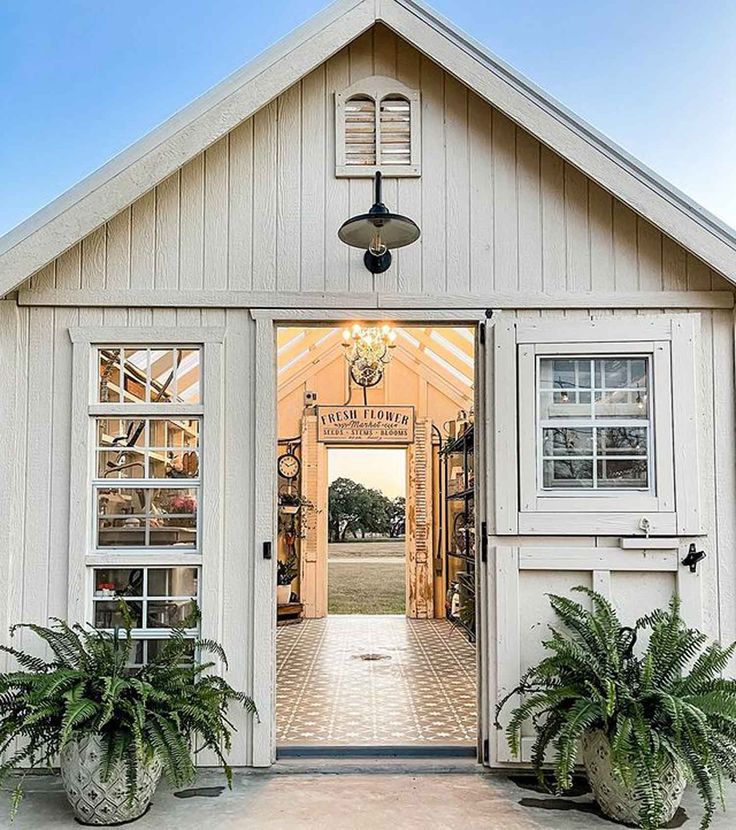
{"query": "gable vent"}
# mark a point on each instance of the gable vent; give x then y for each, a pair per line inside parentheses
(360, 131)
(395, 130)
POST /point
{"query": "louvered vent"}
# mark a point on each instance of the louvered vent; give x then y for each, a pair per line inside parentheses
(360, 131)
(395, 130)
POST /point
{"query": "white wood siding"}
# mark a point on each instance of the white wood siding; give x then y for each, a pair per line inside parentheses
(260, 209)
(35, 361)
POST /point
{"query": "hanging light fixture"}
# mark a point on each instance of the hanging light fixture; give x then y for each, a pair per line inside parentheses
(368, 351)
(378, 231)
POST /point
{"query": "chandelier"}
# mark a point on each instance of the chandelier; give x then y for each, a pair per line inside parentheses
(367, 351)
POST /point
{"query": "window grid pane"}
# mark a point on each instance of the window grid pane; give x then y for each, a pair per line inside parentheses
(154, 611)
(594, 423)
(141, 374)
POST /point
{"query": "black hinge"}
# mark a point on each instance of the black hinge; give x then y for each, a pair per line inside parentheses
(482, 334)
(267, 550)
(486, 751)
(483, 542)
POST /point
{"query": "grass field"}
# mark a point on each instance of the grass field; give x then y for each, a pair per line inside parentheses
(366, 577)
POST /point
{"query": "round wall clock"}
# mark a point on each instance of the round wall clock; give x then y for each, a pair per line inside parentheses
(288, 466)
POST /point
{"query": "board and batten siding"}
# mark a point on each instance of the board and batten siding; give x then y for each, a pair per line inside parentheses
(259, 209)
(35, 456)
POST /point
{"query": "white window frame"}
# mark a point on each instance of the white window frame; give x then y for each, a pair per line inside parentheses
(592, 423)
(83, 556)
(143, 632)
(672, 507)
(378, 87)
(149, 484)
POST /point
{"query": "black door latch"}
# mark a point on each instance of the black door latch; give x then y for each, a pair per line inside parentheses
(693, 557)
(267, 550)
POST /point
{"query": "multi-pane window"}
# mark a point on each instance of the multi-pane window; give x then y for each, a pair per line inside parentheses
(146, 423)
(594, 423)
(138, 374)
(156, 599)
(147, 482)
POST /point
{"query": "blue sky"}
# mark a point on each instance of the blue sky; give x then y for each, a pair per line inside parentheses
(80, 79)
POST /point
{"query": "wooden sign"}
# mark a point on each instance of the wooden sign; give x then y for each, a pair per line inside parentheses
(365, 424)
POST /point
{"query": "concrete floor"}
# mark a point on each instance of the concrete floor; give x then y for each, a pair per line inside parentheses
(359, 795)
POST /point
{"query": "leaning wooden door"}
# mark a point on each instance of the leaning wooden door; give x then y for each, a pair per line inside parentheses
(635, 580)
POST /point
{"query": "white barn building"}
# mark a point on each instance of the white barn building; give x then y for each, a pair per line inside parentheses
(601, 302)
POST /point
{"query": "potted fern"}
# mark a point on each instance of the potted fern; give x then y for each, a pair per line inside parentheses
(644, 719)
(115, 727)
(286, 571)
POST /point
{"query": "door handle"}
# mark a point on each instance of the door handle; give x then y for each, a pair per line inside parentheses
(267, 552)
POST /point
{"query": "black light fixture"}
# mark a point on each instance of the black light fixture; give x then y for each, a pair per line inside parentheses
(378, 231)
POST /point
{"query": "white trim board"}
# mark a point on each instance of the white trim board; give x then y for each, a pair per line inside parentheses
(142, 298)
(149, 161)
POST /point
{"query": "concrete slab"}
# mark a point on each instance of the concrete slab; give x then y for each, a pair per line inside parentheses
(359, 795)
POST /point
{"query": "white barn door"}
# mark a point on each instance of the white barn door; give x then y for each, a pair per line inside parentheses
(635, 580)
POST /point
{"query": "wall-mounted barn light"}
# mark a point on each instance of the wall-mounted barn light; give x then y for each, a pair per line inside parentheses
(377, 232)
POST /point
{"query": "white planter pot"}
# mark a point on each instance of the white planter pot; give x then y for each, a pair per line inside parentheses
(99, 802)
(615, 799)
(283, 594)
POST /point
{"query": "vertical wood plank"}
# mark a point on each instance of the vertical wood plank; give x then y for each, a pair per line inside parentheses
(601, 238)
(624, 248)
(530, 212)
(674, 266)
(433, 179)
(191, 232)
(216, 220)
(457, 185)
(93, 259)
(576, 226)
(314, 169)
(505, 230)
(143, 241)
(408, 260)
(337, 191)
(264, 196)
(167, 233)
(117, 267)
(240, 209)
(288, 200)
(553, 221)
(649, 251)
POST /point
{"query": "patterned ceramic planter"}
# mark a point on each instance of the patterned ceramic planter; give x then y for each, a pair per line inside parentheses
(615, 799)
(103, 802)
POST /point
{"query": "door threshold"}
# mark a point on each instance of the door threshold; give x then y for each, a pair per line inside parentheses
(379, 751)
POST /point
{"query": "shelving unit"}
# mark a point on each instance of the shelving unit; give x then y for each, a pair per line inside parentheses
(458, 462)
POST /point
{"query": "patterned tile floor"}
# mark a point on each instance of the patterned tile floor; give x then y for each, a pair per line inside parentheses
(416, 687)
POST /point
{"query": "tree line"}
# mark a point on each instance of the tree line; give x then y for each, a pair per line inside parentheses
(356, 510)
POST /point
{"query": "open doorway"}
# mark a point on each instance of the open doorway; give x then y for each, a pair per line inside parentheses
(377, 522)
(366, 554)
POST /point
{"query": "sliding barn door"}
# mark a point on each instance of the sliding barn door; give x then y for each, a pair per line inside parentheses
(636, 581)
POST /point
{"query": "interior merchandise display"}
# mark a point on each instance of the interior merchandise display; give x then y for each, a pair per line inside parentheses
(458, 482)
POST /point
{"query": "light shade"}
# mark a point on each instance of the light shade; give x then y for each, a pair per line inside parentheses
(377, 232)
(394, 230)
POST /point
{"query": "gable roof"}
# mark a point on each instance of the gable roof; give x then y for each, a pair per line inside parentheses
(114, 186)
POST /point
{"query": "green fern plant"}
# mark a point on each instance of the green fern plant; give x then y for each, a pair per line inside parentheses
(669, 705)
(167, 707)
